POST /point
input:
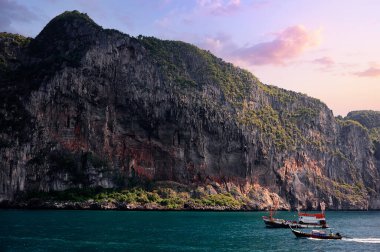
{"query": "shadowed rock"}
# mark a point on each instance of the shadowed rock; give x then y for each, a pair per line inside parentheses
(83, 106)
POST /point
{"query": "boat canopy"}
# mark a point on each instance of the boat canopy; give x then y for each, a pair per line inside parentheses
(316, 215)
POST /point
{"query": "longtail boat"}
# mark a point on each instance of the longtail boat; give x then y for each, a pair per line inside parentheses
(317, 234)
(305, 220)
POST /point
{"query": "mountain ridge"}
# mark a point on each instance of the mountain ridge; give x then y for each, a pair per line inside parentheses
(103, 109)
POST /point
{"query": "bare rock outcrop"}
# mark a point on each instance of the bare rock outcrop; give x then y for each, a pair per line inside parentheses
(82, 106)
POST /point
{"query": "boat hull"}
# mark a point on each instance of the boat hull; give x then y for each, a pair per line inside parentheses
(277, 223)
(281, 223)
(331, 236)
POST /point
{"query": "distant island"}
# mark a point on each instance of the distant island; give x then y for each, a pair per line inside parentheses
(92, 118)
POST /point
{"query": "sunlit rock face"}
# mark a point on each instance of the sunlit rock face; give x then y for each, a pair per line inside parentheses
(82, 106)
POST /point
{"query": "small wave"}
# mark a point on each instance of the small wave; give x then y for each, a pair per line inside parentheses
(31, 238)
(314, 239)
(76, 242)
(363, 240)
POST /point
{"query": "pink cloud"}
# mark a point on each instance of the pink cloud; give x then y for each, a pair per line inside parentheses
(260, 4)
(217, 44)
(326, 62)
(287, 44)
(370, 72)
(219, 7)
(212, 44)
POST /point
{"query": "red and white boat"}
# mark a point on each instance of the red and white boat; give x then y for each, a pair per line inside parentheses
(305, 220)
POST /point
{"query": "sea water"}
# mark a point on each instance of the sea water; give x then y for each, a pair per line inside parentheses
(49, 230)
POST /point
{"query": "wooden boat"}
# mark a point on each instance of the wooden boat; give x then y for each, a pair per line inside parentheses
(281, 223)
(305, 220)
(317, 234)
(278, 223)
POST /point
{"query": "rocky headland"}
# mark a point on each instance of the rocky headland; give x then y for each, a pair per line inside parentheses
(92, 118)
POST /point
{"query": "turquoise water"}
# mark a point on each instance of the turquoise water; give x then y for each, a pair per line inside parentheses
(175, 231)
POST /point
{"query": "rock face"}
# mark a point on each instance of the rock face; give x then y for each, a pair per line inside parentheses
(83, 106)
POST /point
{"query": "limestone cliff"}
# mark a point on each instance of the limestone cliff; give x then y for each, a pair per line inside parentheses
(83, 106)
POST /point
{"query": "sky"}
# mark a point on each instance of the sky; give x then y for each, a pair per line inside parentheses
(327, 49)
